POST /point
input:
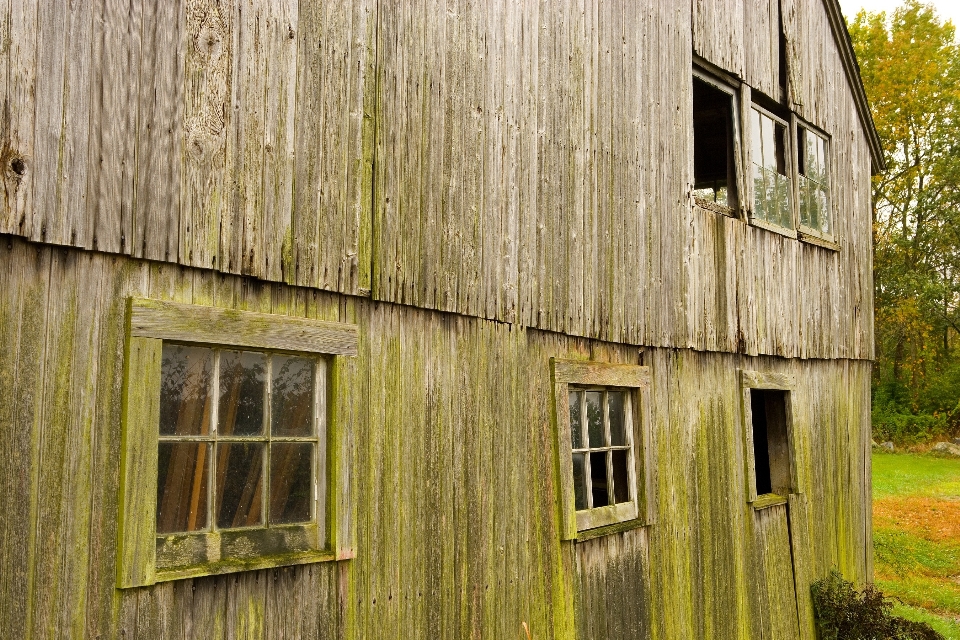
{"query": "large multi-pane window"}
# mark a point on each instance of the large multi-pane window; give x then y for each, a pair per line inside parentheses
(772, 194)
(238, 439)
(813, 184)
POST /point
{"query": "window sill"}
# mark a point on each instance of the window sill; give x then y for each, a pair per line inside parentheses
(775, 228)
(768, 500)
(713, 206)
(819, 239)
(202, 554)
(610, 529)
(605, 516)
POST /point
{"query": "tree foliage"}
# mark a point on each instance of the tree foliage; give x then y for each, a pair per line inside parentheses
(910, 65)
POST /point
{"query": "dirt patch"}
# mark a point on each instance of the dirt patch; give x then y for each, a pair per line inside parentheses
(932, 519)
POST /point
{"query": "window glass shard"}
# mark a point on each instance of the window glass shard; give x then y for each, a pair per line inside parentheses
(239, 483)
(185, 402)
(615, 411)
(182, 486)
(242, 391)
(595, 419)
(576, 421)
(292, 396)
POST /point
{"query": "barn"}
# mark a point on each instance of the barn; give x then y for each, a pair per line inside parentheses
(431, 319)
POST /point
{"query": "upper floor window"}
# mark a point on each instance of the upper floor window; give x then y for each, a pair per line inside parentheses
(714, 135)
(813, 182)
(772, 193)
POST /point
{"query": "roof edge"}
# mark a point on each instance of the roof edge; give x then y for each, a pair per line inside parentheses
(839, 27)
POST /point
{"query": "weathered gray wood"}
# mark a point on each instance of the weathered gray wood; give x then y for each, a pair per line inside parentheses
(600, 374)
(193, 323)
(138, 468)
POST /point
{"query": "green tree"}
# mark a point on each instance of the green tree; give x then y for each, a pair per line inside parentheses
(910, 64)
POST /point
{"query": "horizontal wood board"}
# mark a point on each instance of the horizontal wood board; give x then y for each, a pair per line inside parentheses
(524, 162)
(454, 525)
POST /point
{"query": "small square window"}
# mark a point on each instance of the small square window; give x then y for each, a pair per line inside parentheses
(714, 134)
(601, 432)
(226, 442)
(772, 196)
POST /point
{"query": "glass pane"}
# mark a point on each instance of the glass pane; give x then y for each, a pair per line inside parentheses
(182, 486)
(291, 481)
(823, 210)
(595, 418)
(783, 201)
(579, 481)
(756, 135)
(621, 477)
(292, 396)
(759, 192)
(576, 423)
(185, 376)
(598, 479)
(242, 375)
(805, 214)
(618, 435)
(238, 488)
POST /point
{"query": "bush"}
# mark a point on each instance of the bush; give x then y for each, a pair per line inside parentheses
(843, 613)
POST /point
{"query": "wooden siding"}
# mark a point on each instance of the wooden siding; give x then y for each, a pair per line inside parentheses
(453, 509)
(525, 162)
(232, 135)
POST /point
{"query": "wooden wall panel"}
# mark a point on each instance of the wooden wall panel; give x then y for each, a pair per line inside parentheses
(455, 532)
(719, 33)
(762, 46)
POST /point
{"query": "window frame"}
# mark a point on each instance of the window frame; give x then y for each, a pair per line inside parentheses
(808, 234)
(766, 380)
(735, 91)
(143, 556)
(789, 166)
(635, 379)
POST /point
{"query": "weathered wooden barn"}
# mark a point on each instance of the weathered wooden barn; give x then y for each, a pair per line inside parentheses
(417, 319)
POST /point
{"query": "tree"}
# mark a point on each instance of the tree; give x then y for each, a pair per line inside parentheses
(910, 65)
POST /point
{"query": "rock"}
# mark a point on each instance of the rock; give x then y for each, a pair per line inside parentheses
(947, 447)
(888, 446)
(956, 441)
(873, 443)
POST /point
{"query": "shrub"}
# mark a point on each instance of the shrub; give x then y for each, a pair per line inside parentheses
(843, 613)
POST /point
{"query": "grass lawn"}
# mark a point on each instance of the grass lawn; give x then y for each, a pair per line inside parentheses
(916, 536)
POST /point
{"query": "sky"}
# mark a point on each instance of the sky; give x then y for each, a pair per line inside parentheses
(946, 9)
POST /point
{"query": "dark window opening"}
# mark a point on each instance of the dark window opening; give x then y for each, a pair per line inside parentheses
(713, 161)
(771, 453)
(783, 60)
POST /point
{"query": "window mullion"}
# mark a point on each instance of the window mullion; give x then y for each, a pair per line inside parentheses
(585, 438)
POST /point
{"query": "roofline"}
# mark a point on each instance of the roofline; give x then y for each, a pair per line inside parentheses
(839, 27)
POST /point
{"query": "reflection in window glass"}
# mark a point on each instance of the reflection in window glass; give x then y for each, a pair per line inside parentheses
(595, 419)
(291, 482)
(576, 424)
(239, 484)
(182, 486)
(185, 376)
(292, 396)
(771, 186)
(615, 409)
(813, 181)
(242, 391)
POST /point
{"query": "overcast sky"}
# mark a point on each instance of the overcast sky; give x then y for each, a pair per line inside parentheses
(946, 9)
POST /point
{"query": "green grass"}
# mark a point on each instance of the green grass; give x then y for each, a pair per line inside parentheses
(949, 629)
(901, 474)
(923, 573)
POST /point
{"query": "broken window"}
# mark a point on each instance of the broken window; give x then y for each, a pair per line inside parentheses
(813, 181)
(771, 451)
(772, 198)
(714, 172)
